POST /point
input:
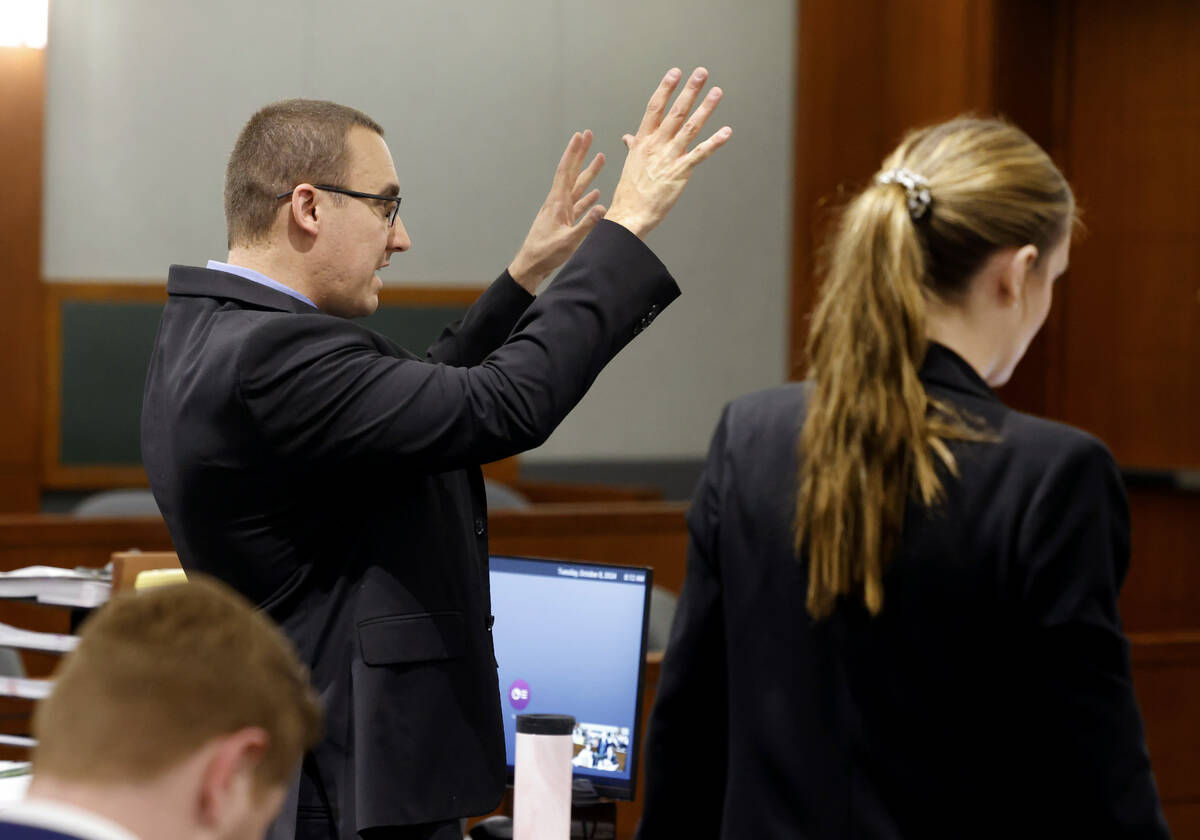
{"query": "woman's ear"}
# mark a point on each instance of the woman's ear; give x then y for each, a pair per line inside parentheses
(1015, 275)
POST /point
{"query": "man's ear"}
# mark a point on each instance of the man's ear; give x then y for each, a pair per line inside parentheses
(304, 208)
(1011, 281)
(228, 773)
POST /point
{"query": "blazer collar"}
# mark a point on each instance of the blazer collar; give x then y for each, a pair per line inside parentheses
(191, 281)
(944, 367)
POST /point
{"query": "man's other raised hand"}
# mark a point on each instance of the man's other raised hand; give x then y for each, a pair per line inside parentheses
(658, 164)
(567, 216)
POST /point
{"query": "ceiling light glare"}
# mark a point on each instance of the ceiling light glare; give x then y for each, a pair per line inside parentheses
(23, 23)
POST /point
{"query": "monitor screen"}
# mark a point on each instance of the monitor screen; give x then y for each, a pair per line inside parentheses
(571, 639)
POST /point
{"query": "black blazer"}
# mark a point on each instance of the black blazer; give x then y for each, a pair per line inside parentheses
(990, 698)
(20, 831)
(332, 477)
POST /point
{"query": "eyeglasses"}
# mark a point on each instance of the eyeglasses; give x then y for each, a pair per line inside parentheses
(394, 199)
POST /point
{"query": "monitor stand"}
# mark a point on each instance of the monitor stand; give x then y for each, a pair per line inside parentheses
(595, 816)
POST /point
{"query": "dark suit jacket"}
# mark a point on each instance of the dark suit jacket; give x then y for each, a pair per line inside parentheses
(69, 822)
(990, 698)
(332, 477)
(17, 831)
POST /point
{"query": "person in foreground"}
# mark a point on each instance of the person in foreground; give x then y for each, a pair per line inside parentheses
(182, 714)
(900, 608)
(333, 477)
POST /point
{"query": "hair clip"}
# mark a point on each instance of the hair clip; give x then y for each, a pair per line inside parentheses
(916, 189)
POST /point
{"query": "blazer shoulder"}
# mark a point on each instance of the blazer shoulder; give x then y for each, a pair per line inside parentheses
(281, 338)
(770, 406)
(756, 426)
(1050, 441)
(270, 327)
(1050, 473)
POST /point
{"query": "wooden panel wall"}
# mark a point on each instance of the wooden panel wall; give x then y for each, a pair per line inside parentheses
(867, 72)
(1111, 90)
(1130, 368)
(22, 94)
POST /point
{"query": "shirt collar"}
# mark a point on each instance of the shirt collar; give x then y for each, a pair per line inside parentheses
(65, 819)
(944, 367)
(262, 279)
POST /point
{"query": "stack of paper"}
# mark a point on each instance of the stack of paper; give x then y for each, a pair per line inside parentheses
(15, 637)
(26, 687)
(52, 585)
(14, 780)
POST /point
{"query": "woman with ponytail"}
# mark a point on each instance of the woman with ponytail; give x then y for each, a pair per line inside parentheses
(900, 612)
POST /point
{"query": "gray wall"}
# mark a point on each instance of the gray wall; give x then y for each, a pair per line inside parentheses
(145, 98)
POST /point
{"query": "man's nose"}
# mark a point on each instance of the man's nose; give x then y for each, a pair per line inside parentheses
(398, 237)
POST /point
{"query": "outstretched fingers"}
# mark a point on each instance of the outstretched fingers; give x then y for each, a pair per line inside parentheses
(587, 176)
(691, 128)
(683, 103)
(581, 206)
(657, 106)
(659, 164)
(703, 150)
(567, 171)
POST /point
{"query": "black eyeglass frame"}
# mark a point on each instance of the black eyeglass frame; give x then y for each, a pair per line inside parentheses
(391, 216)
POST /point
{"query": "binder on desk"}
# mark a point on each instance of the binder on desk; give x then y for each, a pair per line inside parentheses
(52, 585)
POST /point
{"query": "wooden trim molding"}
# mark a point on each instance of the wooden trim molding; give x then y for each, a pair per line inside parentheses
(155, 291)
(93, 477)
(429, 295)
(122, 291)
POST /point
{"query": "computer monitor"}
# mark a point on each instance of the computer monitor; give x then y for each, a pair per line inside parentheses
(571, 639)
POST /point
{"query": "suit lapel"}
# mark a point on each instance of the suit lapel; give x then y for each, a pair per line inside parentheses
(190, 281)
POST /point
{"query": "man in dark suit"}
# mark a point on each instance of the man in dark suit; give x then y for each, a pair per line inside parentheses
(333, 476)
(206, 755)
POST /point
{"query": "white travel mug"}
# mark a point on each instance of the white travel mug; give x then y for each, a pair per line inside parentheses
(542, 777)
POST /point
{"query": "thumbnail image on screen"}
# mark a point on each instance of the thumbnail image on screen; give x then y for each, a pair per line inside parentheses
(600, 747)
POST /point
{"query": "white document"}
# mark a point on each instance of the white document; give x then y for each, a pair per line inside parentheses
(31, 640)
(25, 687)
(14, 779)
(54, 585)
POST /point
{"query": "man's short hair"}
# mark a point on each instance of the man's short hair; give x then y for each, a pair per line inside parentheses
(286, 143)
(158, 675)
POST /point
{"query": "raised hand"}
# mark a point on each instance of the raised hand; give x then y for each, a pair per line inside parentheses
(659, 164)
(564, 219)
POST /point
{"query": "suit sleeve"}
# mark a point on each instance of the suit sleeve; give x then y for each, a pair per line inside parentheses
(484, 327)
(1091, 748)
(322, 394)
(687, 737)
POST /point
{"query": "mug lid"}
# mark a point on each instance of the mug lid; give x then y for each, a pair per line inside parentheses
(545, 724)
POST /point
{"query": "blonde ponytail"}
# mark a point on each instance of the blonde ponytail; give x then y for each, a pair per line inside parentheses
(872, 438)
